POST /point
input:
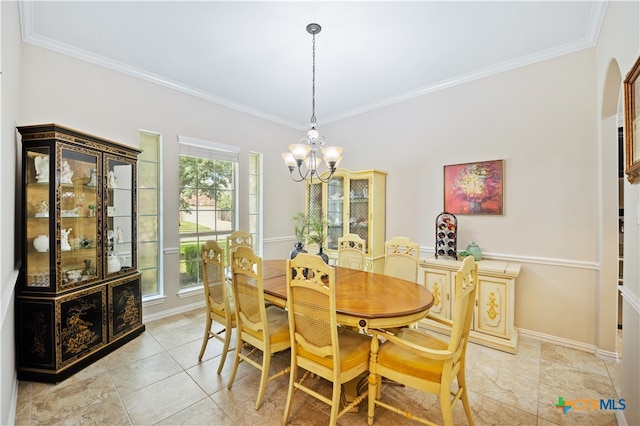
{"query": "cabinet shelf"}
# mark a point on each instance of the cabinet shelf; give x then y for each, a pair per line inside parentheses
(78, 250)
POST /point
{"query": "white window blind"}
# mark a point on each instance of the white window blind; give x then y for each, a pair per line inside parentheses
(206, 149)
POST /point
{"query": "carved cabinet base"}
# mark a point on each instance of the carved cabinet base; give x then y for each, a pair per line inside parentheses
(59, 336)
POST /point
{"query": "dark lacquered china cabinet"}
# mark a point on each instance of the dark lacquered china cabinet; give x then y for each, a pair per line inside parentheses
(79, 293)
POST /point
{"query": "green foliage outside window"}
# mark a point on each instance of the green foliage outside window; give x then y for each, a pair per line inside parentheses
(193, 266)
(207, 205)
(208, 178)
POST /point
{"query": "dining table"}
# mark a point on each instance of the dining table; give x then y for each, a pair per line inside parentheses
(363, 299)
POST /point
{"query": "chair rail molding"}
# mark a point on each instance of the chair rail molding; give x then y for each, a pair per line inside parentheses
(536, 260)
(7, 296)
(632, 299)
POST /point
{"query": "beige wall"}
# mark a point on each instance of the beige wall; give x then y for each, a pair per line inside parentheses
(10, 108)
(113, 105)
(541, 119)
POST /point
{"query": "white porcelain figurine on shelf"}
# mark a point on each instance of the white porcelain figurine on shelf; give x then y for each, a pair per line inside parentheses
(119, 236)
(66, 173)
(112, 180)
(92, 178)
(41, 243)
(43, 209)
(71, 213)
(41, 163)
(114, 262)
(64, 239)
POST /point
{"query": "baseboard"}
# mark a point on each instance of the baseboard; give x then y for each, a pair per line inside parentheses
(605, 355)
(174, 311)
(11, 417)
(620, 418)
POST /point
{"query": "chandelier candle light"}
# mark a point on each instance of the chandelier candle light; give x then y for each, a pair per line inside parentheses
(306, 150)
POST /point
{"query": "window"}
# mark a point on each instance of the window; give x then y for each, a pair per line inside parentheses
(149, 224)
(207, 200)
(255, 199)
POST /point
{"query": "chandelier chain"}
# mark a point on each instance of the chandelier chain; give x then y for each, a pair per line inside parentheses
(306, 153)
(313, 84)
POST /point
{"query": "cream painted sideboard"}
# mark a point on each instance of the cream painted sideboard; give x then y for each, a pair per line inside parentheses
(493, 323)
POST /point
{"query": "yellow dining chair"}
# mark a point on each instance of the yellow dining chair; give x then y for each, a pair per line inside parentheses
(351, 251)
(421, 361)
(237, 239)
(264, 328)
(219, 306)
(318, 345)
(401, 258)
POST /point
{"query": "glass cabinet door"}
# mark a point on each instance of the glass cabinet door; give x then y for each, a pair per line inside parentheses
(355, 203)
(38, 229)
(314, 197)
(119, 215)
(359, 209)
(335, 211)
(77, 234)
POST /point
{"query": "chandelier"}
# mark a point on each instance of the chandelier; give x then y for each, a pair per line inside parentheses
(306, 150)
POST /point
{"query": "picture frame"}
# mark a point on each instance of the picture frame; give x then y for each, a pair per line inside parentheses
(474, 188)
(632, 123)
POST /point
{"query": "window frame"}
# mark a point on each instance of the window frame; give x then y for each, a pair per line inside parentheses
(207, 150)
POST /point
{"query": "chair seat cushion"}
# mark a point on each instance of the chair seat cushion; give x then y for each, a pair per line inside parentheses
(354, 350)
(278, 325)
(404, 361)
(221, 313)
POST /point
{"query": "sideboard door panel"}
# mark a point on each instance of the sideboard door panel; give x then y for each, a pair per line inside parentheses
(492, 303)
(438, 282)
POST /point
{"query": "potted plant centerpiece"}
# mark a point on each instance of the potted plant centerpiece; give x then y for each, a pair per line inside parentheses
(300, 228)
(318, 234)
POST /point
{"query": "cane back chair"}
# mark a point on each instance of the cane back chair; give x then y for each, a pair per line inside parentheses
(264, 328)
(237, 239)
(401, 258)
(318, 345)
(351, 251)
(421, 361)
(219, 305)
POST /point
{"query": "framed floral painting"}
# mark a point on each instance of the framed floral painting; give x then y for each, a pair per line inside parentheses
(474, 188)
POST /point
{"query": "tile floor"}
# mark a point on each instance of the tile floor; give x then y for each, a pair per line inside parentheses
(157, 380)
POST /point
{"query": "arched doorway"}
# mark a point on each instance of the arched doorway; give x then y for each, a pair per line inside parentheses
(611, 266)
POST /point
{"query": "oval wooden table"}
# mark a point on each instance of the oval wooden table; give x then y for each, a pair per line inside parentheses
(363, 299)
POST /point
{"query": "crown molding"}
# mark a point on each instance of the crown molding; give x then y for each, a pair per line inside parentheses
(598, 12)
(597, 16)
(28, 36)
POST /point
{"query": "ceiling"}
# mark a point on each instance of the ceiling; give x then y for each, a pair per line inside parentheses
(256, 56)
